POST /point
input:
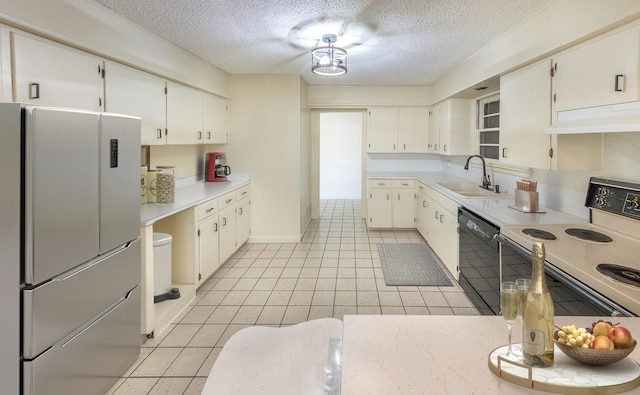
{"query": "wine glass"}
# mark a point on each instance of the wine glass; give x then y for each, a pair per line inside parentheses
(509, 301)
(523, 288)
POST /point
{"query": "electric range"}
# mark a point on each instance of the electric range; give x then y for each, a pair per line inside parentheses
(603, 255)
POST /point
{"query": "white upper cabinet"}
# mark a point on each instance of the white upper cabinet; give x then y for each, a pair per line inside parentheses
(413, 129)
(525, 113)
(215, 118)
(599, 72)
(133, 92)
(48, 74)
(184, 114)
(453, 120)
(383, 129)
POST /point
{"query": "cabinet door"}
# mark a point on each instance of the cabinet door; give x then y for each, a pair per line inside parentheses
(525, 112)
(380, 208)
(433, 145)
(228, 232)
(208, 247)
(184, 115)
(456, 125)
(244, 220)
(48, 74)
(403, 210)
(133, 92)
(413, 129)
(215, 118)
(383, 129)
(448, 242)
(422, 214)
(585, 76)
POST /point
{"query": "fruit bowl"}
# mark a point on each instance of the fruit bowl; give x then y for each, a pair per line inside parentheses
(589, 356)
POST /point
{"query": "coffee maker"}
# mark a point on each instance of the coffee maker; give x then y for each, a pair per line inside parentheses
(216, 168)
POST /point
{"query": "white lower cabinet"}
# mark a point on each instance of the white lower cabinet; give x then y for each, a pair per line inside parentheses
(442, 226)
(228, 227)
(208, 259)
(422, 209)
(243, 216)
(391, 203)
(403, 210)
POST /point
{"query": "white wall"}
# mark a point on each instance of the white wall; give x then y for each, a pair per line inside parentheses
(264, 119)
(341, 155)
(305, 157)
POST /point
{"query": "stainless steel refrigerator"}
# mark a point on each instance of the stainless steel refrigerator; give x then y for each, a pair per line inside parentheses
(70, 249)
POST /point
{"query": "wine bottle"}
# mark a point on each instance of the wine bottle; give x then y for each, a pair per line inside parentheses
(537, 320)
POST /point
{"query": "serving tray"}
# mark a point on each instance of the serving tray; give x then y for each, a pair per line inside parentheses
(567, 375)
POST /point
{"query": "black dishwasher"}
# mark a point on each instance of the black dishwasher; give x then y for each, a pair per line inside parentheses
(485, 257)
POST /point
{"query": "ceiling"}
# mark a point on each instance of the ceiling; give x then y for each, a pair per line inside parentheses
(392, 42)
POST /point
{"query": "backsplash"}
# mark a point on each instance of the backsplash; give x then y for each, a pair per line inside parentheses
(187, 159)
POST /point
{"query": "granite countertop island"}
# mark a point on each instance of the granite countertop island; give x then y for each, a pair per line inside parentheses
(444, 355)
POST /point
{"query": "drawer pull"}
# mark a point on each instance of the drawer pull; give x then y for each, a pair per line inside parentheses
(441, 221)
(244, 193)
(436, 217)
(424, 203)
(240, 213)
(209, 210)
(228, 200)
(224, 221)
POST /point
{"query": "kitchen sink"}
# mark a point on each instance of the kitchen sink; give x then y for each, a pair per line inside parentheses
(469, 190)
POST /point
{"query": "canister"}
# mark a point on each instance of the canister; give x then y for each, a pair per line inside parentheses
(143, 184)
(165, 184)
(151, 186)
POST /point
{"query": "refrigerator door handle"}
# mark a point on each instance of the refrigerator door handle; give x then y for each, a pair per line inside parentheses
(70, 273)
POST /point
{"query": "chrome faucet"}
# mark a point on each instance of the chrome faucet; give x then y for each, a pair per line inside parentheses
(486, 182)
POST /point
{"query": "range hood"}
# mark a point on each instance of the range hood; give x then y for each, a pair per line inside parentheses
(612, 118)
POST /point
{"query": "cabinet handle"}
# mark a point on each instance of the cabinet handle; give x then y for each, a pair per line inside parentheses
(209, 210)
(228, 200)
(424, 203)
(199, 135)
(404, 147)
(159, 133)
(441, 219)
(34, 90)
(394, 147)
(398, 197)
(240, 213)
(387, 196)
(243, 193)
(435, 147)
(436, 215)
(445, 148)
(215, 226)
(504, 152)
(619, 83)
(224, 221)
(208, 135)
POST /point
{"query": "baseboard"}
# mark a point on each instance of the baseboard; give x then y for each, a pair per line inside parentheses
(261, 240)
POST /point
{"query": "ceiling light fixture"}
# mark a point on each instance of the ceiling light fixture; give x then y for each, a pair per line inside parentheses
(329, 60)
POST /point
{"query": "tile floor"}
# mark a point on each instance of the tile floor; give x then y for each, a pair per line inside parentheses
(333, 271)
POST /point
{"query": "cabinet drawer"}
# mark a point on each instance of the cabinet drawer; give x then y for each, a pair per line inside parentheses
(422, 188)
(403, 184)
(207, 209)
(226, 200)
(243, 192)
(373, 183)
(444, 201)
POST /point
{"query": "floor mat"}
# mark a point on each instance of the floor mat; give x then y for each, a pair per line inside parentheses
(411, 264)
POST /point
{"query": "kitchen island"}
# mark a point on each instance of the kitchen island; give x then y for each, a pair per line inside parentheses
(435, 354)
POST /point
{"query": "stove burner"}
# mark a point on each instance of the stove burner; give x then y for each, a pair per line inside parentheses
(623, 274)
(589, 235)
(539, 234)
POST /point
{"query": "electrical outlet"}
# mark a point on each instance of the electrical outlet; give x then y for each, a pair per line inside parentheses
(181, 172)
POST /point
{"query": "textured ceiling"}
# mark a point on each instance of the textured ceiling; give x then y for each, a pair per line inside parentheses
(393, 42)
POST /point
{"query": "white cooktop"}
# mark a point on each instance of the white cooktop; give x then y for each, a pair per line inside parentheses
(579, 258)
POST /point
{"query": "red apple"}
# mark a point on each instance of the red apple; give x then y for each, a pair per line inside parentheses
(621, 337)
(602, 343)
(601, 329)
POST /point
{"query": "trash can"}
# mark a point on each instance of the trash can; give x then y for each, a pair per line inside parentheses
(162, 268)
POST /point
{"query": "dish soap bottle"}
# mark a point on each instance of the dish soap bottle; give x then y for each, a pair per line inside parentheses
(537, 315)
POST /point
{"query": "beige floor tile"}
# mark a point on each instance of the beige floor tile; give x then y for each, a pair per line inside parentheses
(390, 298)
(170, 385)
(208, 335)
(195, 386)
(346, 284)
(340, 311)
(223, 315)
(291, 272)
(254, 272)
(295, 315)
(230, 331)
(416, 310)
(412, 298)
(346, 272)
(261, 262)
(198, 315)
(456, 299)
(295, 262)
(369, 310)
(320, 312)
(306, 284)
(366, 284)
(329, 262)
(301, 298)
(157, 362)
(367, 298)
(272, 272)
(279, 298)
(205, 369)
(271, 315)
(257, 298)
(265, 284)
(435, 299)
(225, 284)
(286, 284)
(440, 311)
(345, 298)
(465, 311)
(326, 284)
(364, 272)
(136, 386)
(323, 298)
(329, 272)
(180, 335)
(213, 298)
(144, 353)
(235, 298)
(247, 315)
(346, 262)
(188, 362)
(392, 310)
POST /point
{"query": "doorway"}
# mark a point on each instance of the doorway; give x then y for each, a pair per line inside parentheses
(340, 155)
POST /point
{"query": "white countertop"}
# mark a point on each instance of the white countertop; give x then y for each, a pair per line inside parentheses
(434, 354)
(496, 211)
(188, 196)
